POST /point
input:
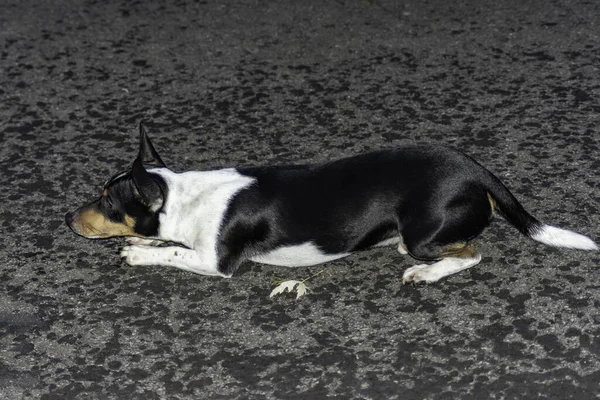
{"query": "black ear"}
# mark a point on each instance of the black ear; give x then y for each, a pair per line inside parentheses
(147, 154)
(147, 188)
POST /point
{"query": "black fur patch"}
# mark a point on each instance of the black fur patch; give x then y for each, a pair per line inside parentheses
(432, 196)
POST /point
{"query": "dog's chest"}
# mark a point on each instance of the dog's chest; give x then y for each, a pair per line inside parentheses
(196, 205)
(301, 255)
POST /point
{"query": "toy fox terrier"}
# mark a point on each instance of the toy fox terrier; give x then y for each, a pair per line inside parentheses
(429, 201)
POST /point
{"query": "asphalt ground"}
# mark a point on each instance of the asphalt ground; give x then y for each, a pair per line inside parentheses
(515, 84)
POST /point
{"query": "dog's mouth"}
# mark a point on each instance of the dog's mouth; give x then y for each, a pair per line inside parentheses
(84, 230)
(93, 225)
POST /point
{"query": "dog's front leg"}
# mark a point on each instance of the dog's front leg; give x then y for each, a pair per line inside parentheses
(172, 256)
(143, 241)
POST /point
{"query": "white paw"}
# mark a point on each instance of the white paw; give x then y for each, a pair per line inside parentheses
(402, 249)
(419, 274)
(142, 241)
(135, 255)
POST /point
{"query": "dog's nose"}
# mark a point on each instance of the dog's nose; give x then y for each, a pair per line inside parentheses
(69, 218)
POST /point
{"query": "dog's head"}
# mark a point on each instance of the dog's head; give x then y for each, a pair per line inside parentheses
(130, 202)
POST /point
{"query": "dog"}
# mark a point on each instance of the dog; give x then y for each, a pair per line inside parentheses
(429, 201)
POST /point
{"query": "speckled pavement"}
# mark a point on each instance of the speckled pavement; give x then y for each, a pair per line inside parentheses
(516, 84)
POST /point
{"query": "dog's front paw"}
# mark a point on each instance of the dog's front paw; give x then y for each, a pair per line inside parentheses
(135, 255)
(135, 240)
(418, 274)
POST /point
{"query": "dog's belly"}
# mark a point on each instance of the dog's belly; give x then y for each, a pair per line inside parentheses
(301, 255)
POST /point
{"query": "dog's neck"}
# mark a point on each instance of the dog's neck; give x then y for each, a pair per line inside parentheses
(200, 196)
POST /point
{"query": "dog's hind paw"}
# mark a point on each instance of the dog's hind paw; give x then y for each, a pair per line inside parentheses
(417, 274)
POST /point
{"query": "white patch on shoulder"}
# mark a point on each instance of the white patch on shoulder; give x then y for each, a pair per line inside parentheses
(195, 206)
(302, 255)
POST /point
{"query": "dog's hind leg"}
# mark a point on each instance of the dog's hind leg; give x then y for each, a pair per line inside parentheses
(460, 260)
(441, 235)
(402, 247)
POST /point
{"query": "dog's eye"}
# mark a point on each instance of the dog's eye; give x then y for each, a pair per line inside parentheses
(108, 201)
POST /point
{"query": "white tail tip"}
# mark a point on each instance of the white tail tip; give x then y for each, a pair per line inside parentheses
(557, 237)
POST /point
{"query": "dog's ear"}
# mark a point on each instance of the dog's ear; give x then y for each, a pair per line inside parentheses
(147, 154)
(146, 187)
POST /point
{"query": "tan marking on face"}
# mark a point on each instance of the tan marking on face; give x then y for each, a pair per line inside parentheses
(92, 223)
(492, 203)
(129, 221)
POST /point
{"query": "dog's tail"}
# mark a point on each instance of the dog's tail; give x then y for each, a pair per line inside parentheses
(509, 207)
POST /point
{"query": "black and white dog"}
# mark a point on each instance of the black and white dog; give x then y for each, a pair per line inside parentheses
(429, 201)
